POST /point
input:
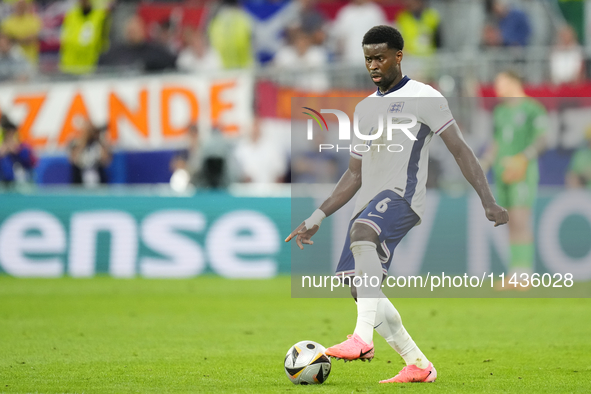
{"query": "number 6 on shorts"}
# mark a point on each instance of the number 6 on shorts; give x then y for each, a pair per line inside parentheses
(382, 206)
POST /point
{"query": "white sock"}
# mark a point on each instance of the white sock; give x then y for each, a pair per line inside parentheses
(389, 325)
(367, 262)
(366, 308)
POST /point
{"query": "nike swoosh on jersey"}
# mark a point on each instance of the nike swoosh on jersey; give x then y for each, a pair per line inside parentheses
(377, 216)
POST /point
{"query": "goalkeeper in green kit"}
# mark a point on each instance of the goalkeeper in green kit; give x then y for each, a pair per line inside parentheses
(520, 124)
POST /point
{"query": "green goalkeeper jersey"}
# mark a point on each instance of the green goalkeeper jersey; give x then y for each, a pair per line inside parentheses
(580, 165)
(518, 122)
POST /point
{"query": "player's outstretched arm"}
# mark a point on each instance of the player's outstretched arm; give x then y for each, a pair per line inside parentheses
(453, 139)
(345, 189)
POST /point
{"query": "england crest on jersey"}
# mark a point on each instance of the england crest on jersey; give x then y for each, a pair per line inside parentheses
(396, 107)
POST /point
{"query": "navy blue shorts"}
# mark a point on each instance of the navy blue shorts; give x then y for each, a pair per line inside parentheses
(391, 217)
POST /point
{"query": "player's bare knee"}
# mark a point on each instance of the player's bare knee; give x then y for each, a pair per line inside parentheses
(362, 232)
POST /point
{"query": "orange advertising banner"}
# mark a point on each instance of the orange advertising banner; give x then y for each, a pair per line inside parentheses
(140, 113)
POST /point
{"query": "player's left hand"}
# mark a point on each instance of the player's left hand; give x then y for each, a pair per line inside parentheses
(496, 213)
(515, 168)
(303, 235)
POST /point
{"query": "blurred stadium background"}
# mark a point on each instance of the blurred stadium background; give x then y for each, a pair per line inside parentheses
(151, 133)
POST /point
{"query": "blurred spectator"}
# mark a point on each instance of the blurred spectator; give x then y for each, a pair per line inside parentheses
(260, 160)
(217, 167)
(579, 172)
(576, 15)
(491, 35)
(84, 37)
(197, 55)
(52, 15)
(206, 163)
(137, 51)
(351, 24)
(181, 178)
(89, 156)
(194, 153)
(311, 20)
(17, 159)
(23, 27)
(13, 63)
(566, 60)
(230, 33)
(186, 165)
(303, 63)
(513, 24)
(271, 19)
(165, 33)
(419, 25)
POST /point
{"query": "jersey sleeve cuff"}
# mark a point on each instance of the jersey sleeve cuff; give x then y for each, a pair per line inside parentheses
(445, 126)
(356, 155)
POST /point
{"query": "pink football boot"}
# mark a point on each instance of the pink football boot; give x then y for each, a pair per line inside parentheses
(412, 373)
(354, 348)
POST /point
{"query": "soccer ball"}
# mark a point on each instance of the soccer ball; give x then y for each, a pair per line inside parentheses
(306, 363)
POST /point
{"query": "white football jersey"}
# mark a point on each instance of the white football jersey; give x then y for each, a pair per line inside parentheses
(399, 163)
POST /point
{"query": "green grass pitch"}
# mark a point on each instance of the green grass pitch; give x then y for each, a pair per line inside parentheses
(211, 335)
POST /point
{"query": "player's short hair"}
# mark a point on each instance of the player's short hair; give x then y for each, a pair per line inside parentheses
(514, 75)
(384, 35)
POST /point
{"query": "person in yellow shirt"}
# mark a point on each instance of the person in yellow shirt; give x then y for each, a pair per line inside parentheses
(84, 37)
(23, 27)
(419, 25)
(230, 32)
